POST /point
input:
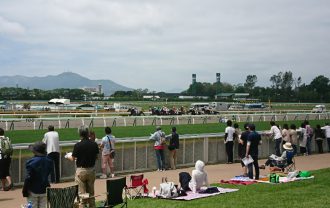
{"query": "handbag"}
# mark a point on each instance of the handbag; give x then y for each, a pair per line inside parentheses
(168, 189)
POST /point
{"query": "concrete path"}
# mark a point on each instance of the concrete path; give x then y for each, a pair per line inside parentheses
(13, 198)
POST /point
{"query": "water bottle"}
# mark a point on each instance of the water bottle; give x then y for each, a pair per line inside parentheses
(154, 191)
(29, 205)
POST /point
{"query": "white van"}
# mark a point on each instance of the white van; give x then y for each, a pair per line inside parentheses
(319, 109)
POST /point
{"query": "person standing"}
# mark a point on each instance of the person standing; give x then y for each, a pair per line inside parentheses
(302, 138)
(253, 141)
(319, 135)
(276, 132)
(173, 148)
(285, 133)
(85, 154)
(38, 169)
(52, 140)
(309, 134)
(242, 141)
(159, 138)
(108, 153)
(293, 138)
(326, 128)
(5, 161)
(229, 141)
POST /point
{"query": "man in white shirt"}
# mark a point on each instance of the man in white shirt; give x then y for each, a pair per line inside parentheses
(326, 128)
(229, 141)
(276, 132)
(52, 140)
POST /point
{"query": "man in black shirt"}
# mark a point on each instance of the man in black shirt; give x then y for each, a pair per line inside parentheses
(85, 153)
(253, 140)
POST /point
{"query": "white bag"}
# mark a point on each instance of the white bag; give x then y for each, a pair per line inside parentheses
(168, 190)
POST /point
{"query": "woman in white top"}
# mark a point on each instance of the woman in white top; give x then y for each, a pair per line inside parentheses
(285, 133)
(229, 141)
(293, 137)
(303, 139)
(276, 132)
(198, 177)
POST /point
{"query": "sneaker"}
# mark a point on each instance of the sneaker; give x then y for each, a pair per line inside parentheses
(262, 167)
(103, 176)
(112, 175)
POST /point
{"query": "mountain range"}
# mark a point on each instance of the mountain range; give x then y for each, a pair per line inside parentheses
(63, 80)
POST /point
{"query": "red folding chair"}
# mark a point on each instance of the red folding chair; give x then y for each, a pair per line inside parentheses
(137, 187)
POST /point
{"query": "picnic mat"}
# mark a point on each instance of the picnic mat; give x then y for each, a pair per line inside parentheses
(192, 196)
(241, 180)
(286, 180)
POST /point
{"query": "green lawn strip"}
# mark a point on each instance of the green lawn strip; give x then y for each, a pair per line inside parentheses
(300, 194)
(28, 136)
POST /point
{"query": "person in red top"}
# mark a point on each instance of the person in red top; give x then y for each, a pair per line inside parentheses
(159, 138)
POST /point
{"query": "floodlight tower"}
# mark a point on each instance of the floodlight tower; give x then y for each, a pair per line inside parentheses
(193, 85)
(218, 80)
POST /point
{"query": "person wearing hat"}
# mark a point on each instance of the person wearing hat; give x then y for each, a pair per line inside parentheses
(280, 161)
(38, 169)
(159, 138)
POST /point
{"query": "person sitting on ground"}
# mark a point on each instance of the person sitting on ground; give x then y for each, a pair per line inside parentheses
(199, 177)
(280, 162)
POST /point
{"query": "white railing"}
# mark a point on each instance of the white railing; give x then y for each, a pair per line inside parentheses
(97, 121)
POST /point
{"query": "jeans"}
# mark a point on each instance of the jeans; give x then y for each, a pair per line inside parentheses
(229, 151)
(320, 145)
(173, 158)
(328, 140)
(160, 159)
(55, 176)
(85, 178)
(256, 168)
(309, 145)
(278, 146)
(294, 149)
(37, 200)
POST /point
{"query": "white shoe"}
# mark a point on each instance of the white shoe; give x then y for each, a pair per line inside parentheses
(112, 175)
(103, 176)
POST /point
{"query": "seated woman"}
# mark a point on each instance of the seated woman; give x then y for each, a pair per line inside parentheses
(199, 177)
(281, 161)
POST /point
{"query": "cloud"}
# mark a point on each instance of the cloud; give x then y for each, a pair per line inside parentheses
(159, 44)
(10, 28)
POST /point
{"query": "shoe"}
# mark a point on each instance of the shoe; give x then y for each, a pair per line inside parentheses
(103, 176)
(112, 175)
(262, 167)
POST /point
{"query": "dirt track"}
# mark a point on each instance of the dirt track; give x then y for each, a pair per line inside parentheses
(13, 199)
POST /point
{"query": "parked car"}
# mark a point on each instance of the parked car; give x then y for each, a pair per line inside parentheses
(319, 109)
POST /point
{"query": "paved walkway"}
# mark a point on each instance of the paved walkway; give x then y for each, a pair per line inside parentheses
(13, 199)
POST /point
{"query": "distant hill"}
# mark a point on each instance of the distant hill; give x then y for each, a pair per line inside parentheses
(64, 80)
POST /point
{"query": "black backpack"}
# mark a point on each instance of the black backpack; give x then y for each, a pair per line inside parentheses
(184, 179)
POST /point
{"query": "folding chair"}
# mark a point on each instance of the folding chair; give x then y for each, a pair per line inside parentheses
(137, 184)
(290, 162)
(285, 166)
(62, 197)
(116, 189)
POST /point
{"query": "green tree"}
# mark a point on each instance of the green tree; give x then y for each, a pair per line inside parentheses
(250, 82)
(320, 85)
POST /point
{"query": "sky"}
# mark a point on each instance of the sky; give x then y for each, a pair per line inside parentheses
(159, 44)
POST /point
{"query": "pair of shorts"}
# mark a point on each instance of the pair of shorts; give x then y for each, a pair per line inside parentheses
(4, 167)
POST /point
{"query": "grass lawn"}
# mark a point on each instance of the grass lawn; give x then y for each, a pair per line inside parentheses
(300, 194)
(29, 136)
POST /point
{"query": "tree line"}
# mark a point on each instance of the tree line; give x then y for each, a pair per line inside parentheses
(284, 87)
(16, 93)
